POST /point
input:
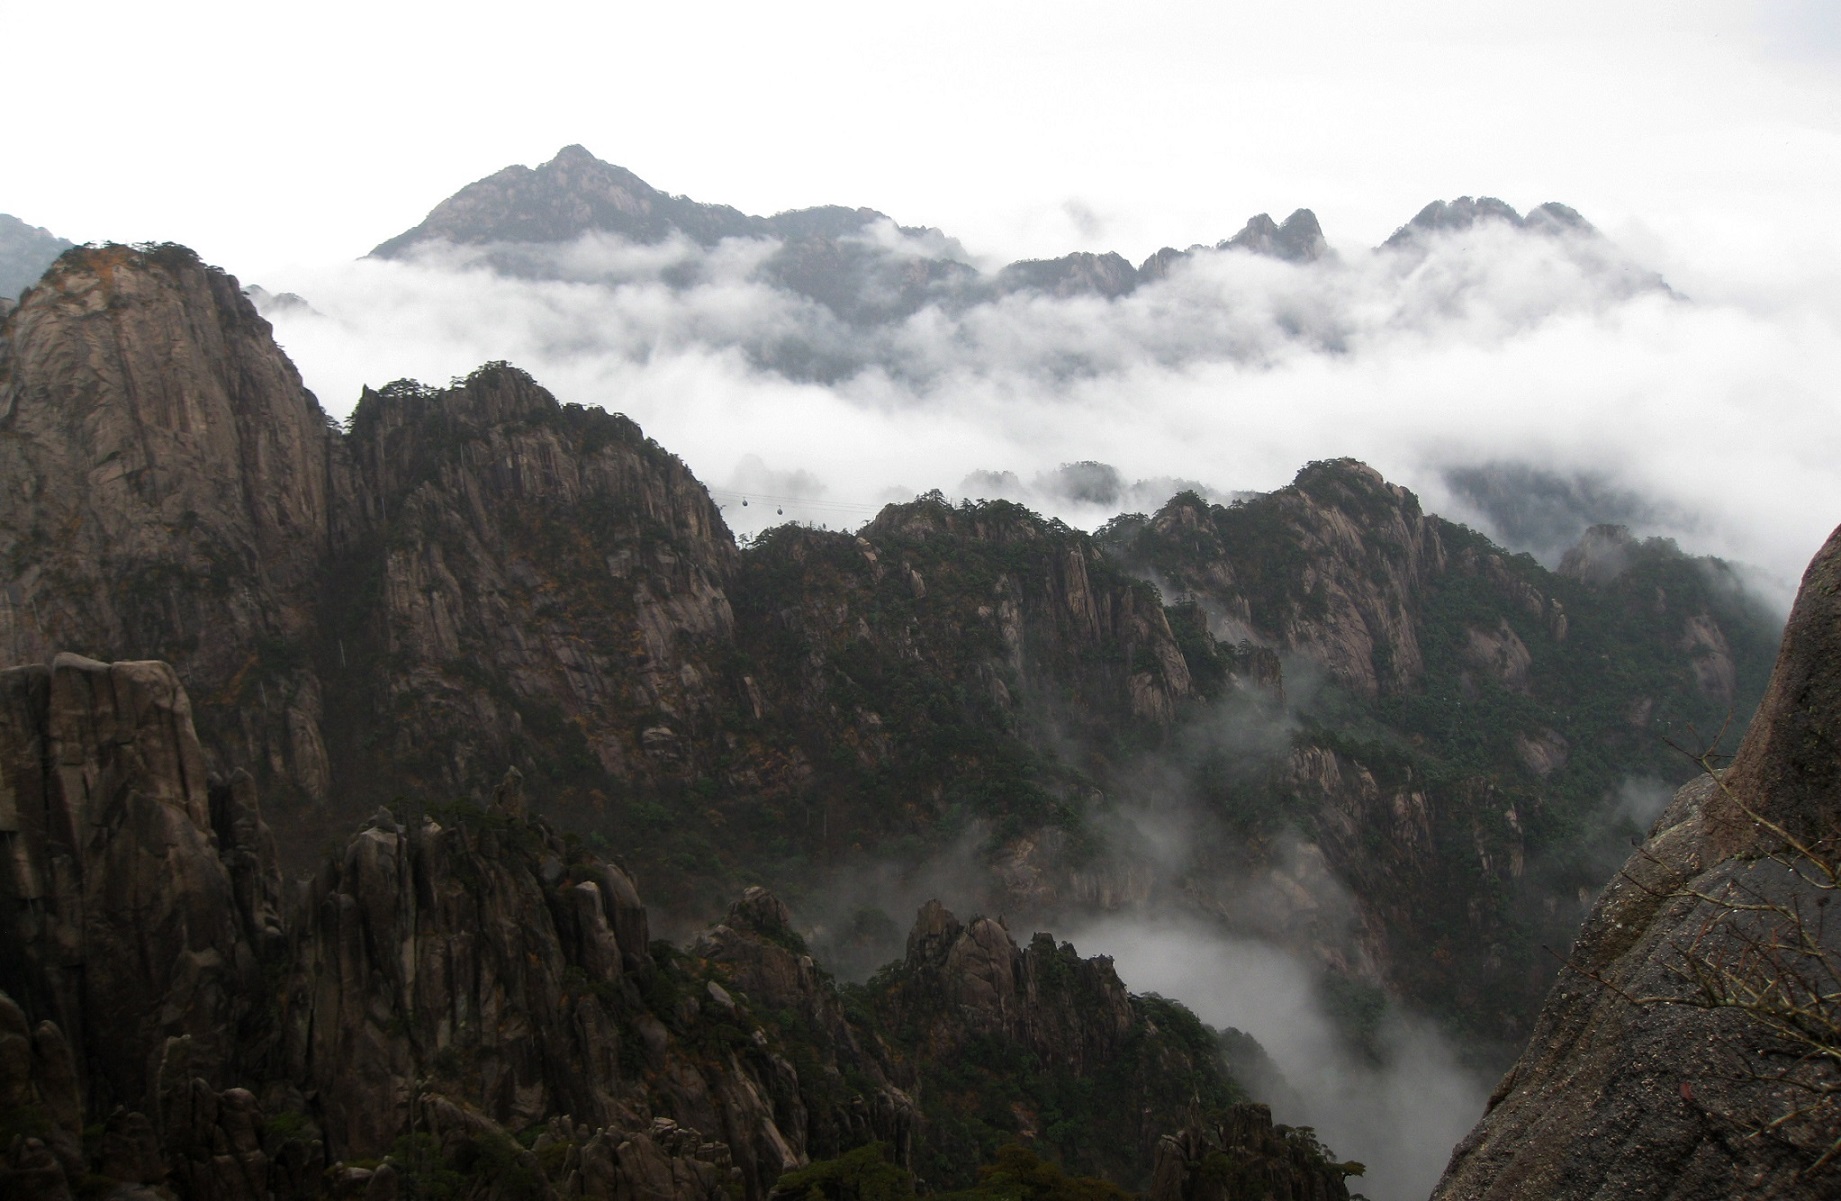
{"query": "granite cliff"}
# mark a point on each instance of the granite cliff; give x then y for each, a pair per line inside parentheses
(463, 579)
(461, 1002)
(1689, 1050)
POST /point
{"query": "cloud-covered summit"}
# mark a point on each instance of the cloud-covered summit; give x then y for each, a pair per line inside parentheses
(858, 263)
(576, 193)
(1524, 373)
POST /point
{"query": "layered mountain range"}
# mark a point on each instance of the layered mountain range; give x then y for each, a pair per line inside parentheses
(511, 636)
(474, 578)
(859, 262)
(828, 293)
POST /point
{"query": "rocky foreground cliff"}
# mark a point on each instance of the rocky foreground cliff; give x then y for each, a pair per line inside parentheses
(1692, 1047)
(460, 1002)
(1407, 745)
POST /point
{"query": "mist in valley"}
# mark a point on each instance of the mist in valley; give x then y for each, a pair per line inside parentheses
(1529, 384)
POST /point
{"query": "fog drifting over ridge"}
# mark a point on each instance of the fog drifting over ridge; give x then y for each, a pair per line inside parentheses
(1399, 1116)
(1487, 359)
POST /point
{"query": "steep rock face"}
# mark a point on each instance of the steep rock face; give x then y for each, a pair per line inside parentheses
(1331, 568)
(526, 564)
(1516, 703)
(127, 928)
(1667, 1060)
(762, 959)
(1788, 769)
(454, 979)
(1246, 1155)
(937, 661)
(39, 1084)
(485, 963)
(170, 486)
(1064, 1057)
(473, 977)
(178, 493)
(965, 981)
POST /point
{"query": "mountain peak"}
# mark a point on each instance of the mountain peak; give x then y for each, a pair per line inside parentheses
(1467, 212)
(576, 193)
(1298, 240)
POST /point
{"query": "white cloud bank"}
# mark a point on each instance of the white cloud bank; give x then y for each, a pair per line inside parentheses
(1399, 1117)
(1718, 411)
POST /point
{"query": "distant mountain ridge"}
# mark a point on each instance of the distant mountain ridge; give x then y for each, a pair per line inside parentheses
(520, 581)
(25, 252)
(576, 193)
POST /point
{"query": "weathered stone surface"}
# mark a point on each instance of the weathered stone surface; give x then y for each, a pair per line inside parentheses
(1365, 551)
(127, 924)
(170, 485)
(966, 980)
(1633, 1084)
(1789, 767)
(1244, 1156)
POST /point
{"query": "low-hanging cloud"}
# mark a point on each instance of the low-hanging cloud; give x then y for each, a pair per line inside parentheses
(1712, 421)
(1399, 1111)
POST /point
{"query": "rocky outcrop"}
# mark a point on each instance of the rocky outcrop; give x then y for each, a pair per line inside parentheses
(1053, 1032)
(1602, 554)
(171, 495)
(1298, 240)
(527, 563)
(964, 981)
(476, 577)
(127, 927)
(1688, 1050)
(41, 1102)
(1788, 770)
(1332, 568)
(1465, 213)
(1078, 274)
(1245, 1155)
(457, 995)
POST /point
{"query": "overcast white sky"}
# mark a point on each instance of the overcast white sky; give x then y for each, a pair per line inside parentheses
(263, 135)
(282, 142)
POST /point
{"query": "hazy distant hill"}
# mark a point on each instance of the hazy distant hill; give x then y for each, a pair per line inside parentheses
(831, 289)
(829, 252)
(576, 193)
(25, 252)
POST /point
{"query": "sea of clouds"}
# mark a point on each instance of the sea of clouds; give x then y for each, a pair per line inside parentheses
(1527, 383)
